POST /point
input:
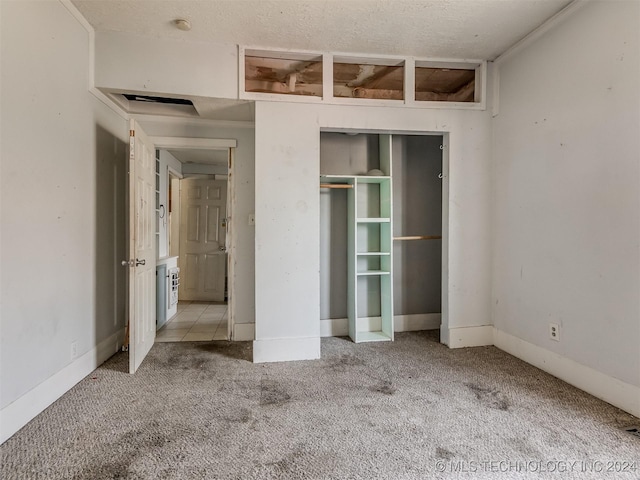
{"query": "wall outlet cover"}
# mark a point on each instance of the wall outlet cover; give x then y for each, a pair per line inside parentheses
(554, 332)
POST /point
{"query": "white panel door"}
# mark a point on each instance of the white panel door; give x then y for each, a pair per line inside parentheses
(203, 206)
(142, 247)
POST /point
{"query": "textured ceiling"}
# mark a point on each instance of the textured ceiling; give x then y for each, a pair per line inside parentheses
(473, 29)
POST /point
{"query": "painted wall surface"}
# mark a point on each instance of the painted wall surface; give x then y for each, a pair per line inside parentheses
(243, 179)
(202, 169)
(287, 208)
(417, 210)
(566, 175)
(144, 64)
(63, 182)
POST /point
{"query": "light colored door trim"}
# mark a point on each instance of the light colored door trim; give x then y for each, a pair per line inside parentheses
(182, 143)
(230, 246)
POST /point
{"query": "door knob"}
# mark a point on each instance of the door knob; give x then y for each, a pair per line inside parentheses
(141, 262)
(127, 263)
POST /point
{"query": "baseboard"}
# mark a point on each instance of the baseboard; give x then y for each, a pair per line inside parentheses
(470, 336)
(334, 327)
(20, 412)
(421, 321)
(286, 349)
(244, 332)
(616, 392)
(339, 327)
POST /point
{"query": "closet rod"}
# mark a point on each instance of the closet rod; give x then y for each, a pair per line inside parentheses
(336, 185)
(419, 237)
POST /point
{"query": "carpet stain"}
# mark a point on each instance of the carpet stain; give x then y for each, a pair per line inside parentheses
(271, 393)
(245, 415)
(343, 362)
(385, 387)
(138, 443)
(232, 350)
(490, 398)
(444, 453)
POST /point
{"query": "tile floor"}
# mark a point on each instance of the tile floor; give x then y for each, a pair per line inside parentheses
(196, 322)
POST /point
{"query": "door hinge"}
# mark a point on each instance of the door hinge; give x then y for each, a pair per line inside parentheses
(132, 133)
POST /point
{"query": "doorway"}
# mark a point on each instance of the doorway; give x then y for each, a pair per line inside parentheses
(370, 232)
(193, 236)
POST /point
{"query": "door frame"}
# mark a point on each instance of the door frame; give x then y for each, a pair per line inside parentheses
(446, 238)
(228, 144)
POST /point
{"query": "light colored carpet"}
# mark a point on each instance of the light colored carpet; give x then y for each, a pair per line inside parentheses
(411, 409)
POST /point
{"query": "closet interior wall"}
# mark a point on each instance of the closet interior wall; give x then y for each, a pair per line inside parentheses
(417, 210)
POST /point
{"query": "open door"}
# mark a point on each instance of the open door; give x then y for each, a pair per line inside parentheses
(142, 247)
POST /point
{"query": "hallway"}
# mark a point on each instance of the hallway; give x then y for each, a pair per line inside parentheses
(196, 322)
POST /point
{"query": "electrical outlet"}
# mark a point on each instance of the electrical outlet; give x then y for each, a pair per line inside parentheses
(74, 350)
(554, 332)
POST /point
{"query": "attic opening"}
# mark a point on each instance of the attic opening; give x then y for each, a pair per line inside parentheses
(376, 80)
(150, 99)
(287, 74)
(282, 74)
(141, 104)
(440, 84)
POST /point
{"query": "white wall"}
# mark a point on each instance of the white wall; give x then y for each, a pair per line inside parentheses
(62, 189)
(204, 169)
(566, 206)
(287, 216)
(144, 64)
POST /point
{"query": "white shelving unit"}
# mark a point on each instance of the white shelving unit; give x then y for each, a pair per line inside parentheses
(370, 262)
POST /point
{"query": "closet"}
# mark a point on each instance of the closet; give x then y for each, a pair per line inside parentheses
(380, 245)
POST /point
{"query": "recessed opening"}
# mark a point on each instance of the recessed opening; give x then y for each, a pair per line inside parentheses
(368, 80)
(155, 105)
(293, 75)
(163, 100)
(445, 84)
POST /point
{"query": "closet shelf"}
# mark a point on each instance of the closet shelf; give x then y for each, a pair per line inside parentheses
(373, 272)
(419, 237)
(373, 337)
(373, 220)
(336, 185)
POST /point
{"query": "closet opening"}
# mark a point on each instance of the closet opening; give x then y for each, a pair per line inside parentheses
(381, 230)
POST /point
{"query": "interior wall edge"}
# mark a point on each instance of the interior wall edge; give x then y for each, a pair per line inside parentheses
(478, 336)
(609, 389)
(244, 332)
(20, 412)
(286, 349)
